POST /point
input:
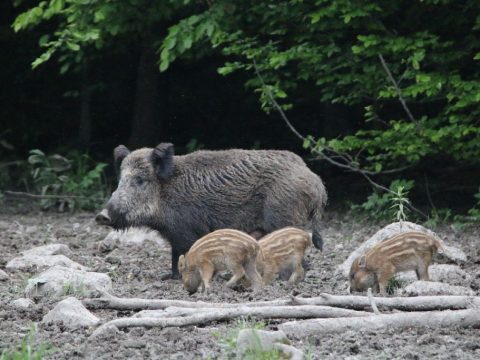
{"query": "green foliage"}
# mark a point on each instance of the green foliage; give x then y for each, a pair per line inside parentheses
(27, 349)
(77, 178)
(394, 284)
(387, 205)
(72, 289)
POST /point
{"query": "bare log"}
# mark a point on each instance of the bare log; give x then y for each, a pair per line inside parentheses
(204, 316)
(431, 319)
(274, 312)
(420, 303)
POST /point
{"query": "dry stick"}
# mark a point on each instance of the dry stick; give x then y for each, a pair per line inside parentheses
(372, 302)
(419, 303)
(208, 315)
(20, 194)
(364, 173)
(431, 319)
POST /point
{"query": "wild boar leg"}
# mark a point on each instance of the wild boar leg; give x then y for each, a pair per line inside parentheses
(384, 275)
(206, 273)
(269, 273)
(238, 273)
(297, 274)
(253, 275)
(175, 256)
(422, 272)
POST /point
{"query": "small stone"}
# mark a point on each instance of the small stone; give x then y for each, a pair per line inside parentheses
(3, 276)
(22, 304)
(132, 237)
(50, 249)
(104, 332)
(431, 288)
(41, 262)
(59, 281)
(72, 314)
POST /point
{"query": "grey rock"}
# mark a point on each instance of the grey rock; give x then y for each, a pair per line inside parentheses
(258, 340)
(72, 314)
(58, 281)
(445, 273)
(22, 304)
(290, 351)
(387, 232)
(104, 332)
(50, 249)
(431, 288)
(41, 262)
(132, 237)
(3, 276)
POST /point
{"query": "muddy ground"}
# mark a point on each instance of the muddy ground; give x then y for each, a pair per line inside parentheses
(135, 272)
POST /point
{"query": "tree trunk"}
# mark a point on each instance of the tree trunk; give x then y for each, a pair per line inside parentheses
(146, 122)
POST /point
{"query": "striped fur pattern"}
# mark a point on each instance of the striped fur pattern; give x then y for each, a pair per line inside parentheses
(403, 252)
(225, 249)
(283, 249)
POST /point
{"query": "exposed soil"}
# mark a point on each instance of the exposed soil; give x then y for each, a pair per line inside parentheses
(136, 271)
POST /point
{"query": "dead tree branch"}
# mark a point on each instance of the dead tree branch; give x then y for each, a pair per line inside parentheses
(419, 303)
(25, 195)
(431, 319)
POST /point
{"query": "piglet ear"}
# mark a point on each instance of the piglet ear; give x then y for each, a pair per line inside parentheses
(181, 263)
(362, 262)
(162, 161)
(119, 153)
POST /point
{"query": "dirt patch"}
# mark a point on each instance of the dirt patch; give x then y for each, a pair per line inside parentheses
(136, 271)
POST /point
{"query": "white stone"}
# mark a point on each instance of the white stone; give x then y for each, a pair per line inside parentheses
(37, 262)
(431, 288)
(50, 249)
(104, 332)
(3, 276)
(22, 304)
(72, 314)
(58, 281)
(445, 273)
(132, 237)
(258, 340)
(389, 231)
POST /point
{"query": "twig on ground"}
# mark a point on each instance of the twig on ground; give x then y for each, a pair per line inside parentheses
(372, 302)
(20, 194)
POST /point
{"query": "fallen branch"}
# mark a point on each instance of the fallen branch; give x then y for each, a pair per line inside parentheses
(432, 319)
(274, 312)
(186, 317)
(420, 303)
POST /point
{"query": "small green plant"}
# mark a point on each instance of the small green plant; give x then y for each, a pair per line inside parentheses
(74, 183)
(379, 206)
(228, 342)
(27, 349)
(393, 284)
(71, 289)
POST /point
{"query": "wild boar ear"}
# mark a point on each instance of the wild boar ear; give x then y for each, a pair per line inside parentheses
(119, 153)
(162, 160)
(362, 262)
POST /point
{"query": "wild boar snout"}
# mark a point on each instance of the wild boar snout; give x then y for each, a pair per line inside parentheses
(103, 218)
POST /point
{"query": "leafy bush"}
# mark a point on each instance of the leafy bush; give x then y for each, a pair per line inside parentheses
(76, 182)
(387, 206)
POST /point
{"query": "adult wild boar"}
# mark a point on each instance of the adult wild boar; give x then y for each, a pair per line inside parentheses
(186, 197)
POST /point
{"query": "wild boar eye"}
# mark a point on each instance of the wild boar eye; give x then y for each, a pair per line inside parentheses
(138, 181)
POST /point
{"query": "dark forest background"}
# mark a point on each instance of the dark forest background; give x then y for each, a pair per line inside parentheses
(114, 92)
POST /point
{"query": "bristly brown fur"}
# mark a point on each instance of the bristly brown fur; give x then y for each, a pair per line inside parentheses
(403, 252)
(225, 249)
(282, 249)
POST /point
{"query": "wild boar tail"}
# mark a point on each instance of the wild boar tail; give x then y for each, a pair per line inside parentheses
(316, 227)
